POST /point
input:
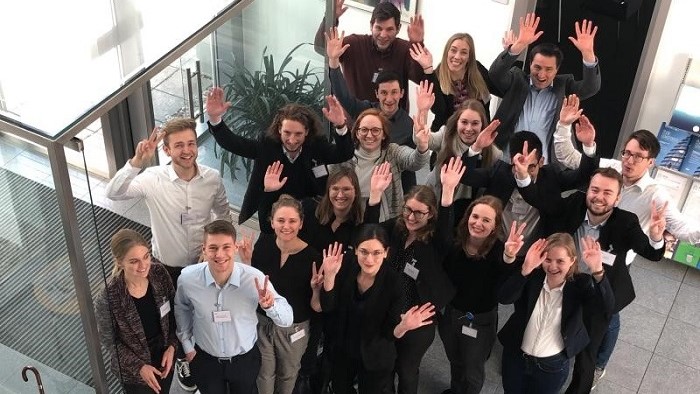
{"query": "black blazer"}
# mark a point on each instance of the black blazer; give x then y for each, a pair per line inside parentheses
(265, 151)
(620, 234)
(432, 283)
(382, 314)
(524, 292)
(515, 85)
(498, 180)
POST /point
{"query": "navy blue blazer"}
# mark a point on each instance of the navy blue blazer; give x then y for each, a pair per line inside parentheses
(524, 291)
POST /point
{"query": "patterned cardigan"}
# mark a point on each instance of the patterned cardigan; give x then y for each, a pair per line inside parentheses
(119, 324)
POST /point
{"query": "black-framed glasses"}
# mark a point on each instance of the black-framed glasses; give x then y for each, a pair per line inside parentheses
(636, 157)
(375, 131)
(418, 215)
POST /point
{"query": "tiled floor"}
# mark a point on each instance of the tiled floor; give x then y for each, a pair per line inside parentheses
(658, 350)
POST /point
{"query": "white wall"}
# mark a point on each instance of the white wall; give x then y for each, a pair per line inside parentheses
(678, 43)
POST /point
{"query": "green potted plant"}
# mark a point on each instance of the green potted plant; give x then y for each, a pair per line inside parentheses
(256, 96)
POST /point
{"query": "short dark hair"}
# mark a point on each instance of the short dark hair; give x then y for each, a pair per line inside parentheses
(609, 172)
(647, 141)
(299, 113)
(387, 76)
(385, 11)
(518, 139)
(220, 227)
(367, 232)
(549, 50)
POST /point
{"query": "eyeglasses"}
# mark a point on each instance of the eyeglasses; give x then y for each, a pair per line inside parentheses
(636, 158)
(362, 131)
(367, 253)
(418, 215)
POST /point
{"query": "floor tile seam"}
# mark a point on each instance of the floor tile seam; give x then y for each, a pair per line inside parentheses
(656, 345)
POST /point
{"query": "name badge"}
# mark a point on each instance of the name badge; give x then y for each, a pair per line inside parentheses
(221, 316)
(608, 258)
(187, 218)
(297, 335)
(320, 171)
(469, 331)
(165, 309)
(411, 271)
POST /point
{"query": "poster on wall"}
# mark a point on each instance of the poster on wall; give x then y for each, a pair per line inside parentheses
(407, 7)
(691, 207)
(674, 183)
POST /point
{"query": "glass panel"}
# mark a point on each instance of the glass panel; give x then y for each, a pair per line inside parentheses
(40, 321)
(263, 30)
(84, 60)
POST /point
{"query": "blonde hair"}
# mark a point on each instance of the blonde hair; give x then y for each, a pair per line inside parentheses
(566, 242)
(121, 243)
(472, 77)
(176, 125)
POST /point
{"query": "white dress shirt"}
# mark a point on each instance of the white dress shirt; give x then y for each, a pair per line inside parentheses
(542, 336)
(178, 209)
(198, 297)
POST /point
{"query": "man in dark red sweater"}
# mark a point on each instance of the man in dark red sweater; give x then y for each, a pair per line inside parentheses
(369, 54)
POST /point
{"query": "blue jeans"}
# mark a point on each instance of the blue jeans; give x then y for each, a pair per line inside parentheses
(609, 340)
(523, 373)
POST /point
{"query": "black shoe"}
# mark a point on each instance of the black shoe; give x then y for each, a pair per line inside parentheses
(184, 378)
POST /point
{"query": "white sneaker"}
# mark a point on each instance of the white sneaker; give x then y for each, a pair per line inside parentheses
(597, 375)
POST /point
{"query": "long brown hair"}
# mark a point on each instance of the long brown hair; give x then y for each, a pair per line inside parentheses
(121, 243)
(472, 77)
(426, 195)
(463, 227)
(324, 210)
(451, 140)
(565, 241)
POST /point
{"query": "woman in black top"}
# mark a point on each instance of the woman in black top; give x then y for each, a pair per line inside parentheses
(476, 265)
(288, 261)
(546, 329)
(418, 240)
(367, 297)
(135, 318)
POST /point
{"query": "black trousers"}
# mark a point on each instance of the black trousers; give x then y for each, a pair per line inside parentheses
(584, 367)
(157, 352)
(467, 355)
(234, 376)
(345, 369)
(410, 350)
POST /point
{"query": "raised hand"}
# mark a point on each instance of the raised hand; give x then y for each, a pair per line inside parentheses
(486, 136)
(424, 96)
(535, 256)
(508, 39)
(340, 8)
(570, 111)
(657, 223)
(316, 277)
(421, 55)
(527, 33)
(334, 113)
(272, 181)
(416, 317)
(450, 174)
(215, 106)
(148, 374)
(515, 239)
(592, 256)
(585, 132)
(421, 132)
(265, 297)
(379, 182)
(416, 29)
(335, 47)
(146, 149)
(521, 161)
(245, 247)
(332, 259)
(585, 37)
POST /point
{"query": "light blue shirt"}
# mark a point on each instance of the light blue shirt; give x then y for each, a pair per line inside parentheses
(198, 297)
(539, 111)
(586, 229)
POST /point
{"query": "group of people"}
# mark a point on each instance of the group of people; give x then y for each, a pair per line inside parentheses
(356, 259)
